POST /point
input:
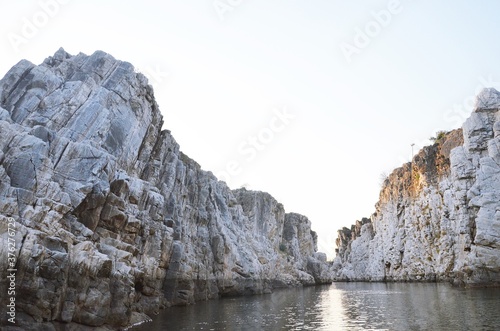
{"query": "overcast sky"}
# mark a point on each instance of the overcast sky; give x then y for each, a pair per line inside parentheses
(310, 101)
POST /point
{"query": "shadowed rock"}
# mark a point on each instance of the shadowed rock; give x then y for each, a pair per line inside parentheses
(113, 222)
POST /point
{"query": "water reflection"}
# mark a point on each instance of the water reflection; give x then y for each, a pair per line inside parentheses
(343, 306)
(380, 306)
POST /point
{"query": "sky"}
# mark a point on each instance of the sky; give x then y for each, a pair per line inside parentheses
(311, 101)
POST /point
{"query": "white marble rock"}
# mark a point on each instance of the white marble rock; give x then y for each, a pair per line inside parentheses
(113, 221)
(438, 218)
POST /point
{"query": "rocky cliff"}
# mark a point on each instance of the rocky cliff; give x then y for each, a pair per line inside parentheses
(111, 221)
(438, 217)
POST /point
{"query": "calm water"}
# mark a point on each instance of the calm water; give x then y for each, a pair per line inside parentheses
(342, 306)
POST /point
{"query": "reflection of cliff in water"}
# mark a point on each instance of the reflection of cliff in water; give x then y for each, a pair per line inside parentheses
(343, 306)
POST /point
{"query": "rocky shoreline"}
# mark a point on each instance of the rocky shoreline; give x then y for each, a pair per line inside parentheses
(113, 222)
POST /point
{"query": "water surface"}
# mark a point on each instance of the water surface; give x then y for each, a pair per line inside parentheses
(342, 306)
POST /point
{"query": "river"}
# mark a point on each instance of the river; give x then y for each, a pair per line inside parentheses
(342, 306)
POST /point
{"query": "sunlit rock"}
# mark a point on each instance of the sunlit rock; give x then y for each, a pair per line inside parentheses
(437, 217)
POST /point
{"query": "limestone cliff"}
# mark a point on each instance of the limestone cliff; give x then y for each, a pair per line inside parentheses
(112, 221)
(438, 217)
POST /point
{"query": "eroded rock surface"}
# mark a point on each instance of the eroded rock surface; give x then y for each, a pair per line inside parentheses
(438, 217)
(113, 222)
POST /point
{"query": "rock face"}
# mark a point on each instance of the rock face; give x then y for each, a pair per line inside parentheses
(112, 221)
(438, 217)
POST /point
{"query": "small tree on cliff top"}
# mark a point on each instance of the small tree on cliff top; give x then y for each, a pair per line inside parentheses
(439, 136)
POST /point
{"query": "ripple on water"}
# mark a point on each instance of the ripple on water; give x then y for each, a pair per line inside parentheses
(342, 306)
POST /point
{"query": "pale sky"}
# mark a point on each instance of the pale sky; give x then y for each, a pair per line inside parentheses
(310, 101)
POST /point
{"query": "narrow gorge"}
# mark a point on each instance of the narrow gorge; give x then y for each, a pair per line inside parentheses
(106, 221)
(112, 221)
